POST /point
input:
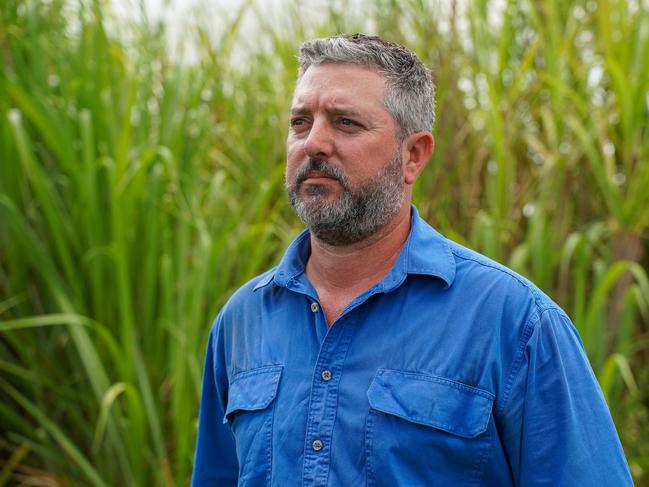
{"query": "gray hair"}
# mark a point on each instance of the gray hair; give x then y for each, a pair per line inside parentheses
(410, 94)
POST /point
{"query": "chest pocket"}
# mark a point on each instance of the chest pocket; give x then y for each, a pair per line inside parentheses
(249, 412)
(425, 430)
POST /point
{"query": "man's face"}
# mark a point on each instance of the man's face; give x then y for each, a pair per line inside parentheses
(344, 174)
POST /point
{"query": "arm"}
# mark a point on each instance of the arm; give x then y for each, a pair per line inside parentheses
(215, 461)
(556, 427)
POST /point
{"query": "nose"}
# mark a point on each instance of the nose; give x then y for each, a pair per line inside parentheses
(320, 141)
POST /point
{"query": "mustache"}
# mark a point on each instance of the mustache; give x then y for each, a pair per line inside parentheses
(321, 166)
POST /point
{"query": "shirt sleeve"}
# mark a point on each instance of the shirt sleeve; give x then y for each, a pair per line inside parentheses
(556, 426)
(215, 460)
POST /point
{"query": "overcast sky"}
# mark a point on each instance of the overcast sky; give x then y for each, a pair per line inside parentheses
(179, 16)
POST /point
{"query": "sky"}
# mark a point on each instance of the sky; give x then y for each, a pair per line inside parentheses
(179, 15)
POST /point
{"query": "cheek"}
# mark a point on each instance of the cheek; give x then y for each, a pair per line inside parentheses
(363, 163)
(292, 165)
(290, 158)
(294, 150)
(289, 174)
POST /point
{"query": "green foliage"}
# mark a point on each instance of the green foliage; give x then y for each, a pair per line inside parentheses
(138, 191)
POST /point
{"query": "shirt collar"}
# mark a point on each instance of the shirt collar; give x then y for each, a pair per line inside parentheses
(426, 252)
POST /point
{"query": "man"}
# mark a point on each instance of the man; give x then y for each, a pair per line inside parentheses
(378, 352)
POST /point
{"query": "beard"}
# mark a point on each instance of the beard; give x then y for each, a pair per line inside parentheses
(358, 212)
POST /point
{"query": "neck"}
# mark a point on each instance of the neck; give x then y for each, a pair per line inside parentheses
(352, 269)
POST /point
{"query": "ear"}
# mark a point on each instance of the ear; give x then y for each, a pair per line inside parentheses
(417, 149)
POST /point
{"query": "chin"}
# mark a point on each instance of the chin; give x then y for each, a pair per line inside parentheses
(317, 191)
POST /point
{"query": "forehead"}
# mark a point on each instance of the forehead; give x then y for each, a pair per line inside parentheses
(340, 84)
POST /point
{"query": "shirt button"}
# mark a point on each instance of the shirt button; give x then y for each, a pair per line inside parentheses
(326, 375)
(317, 445)
(315, 307)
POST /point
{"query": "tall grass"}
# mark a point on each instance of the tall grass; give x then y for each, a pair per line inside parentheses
(137, 192)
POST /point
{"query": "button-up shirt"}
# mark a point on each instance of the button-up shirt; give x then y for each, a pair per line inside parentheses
(452, 371)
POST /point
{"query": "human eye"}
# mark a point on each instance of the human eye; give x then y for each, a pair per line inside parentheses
(348, 123)
(298, 124)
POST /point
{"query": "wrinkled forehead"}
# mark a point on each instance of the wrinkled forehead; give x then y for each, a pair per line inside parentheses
(344, 83)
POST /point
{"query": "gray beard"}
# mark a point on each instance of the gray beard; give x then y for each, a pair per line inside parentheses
(358, 212)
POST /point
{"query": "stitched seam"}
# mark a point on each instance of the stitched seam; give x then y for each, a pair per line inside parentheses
(459, 431)
(427, 270)
(269, 448)
(439, 380)
(369, 436)
(538, 297)
(478, 472)
(265, 279)
(347, 338)
(257, 406)
(264, 369)
(518, 360)
(309, 456)
(527, 334)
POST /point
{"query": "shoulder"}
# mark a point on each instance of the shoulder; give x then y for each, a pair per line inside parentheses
(526, 324)
(479, 274)
(246, 297)
(509, 301)
(250, 289)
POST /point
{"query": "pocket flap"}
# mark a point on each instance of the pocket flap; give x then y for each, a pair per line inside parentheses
(253, 389)
(432, 401)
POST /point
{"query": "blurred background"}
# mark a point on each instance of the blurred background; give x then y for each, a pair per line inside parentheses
(141, 182)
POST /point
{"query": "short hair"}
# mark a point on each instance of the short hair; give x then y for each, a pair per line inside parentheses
(410, 93)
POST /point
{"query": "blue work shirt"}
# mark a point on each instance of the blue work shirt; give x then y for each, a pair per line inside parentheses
(451, 371)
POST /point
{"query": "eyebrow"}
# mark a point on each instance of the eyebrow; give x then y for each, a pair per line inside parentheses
(302, 110)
